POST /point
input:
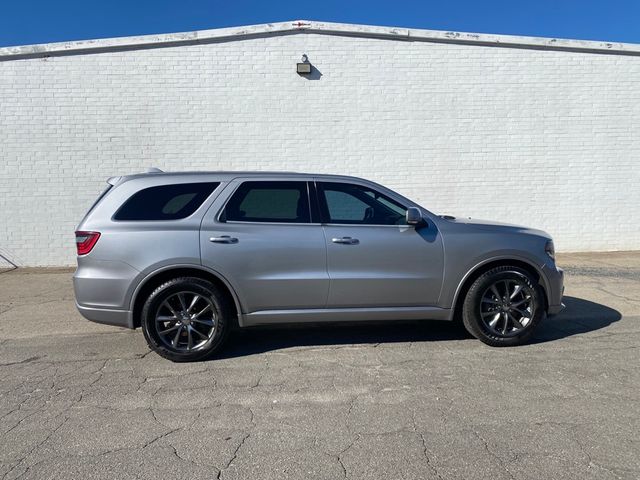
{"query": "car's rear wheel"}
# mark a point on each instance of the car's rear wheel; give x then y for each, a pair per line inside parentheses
(186, 319)
(503, 307)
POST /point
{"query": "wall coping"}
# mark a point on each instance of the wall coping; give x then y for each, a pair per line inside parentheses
(306, 26)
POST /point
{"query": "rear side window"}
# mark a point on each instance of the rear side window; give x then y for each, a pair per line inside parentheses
(285, 202)
(165, 202)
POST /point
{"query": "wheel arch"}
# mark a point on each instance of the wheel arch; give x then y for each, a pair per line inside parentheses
(485, 266)
(157, 277)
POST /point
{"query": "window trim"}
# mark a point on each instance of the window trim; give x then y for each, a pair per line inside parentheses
(218, 217)
(324, 209)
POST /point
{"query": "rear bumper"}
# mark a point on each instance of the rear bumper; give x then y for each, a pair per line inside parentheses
(101, 288)
(118, 318)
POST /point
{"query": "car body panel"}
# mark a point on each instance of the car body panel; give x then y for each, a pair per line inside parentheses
(284, 273)
(389, 266)
(386, 265)
(272, 265)
(469, 247)
(351, 314)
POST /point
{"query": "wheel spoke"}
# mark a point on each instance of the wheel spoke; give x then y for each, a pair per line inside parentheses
(486, 314)
(490, 300)
(197, 315)
(165, 318)
(494, 320)
(516, 291)
(506, 288)
(495, 292)
(170, 329)
(506, 323)
(517, 304)
(194, 329)
(208, 323)
(189, 338)
(183, 304)
(176, 338)
(523, 313)
(516, 323)
(193, 303)
(170, 308)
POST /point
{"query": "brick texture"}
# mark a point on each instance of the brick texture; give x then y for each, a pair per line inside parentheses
(550, 139)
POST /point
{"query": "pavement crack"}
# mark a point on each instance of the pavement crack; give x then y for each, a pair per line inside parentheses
(590, 462)
(425, 452)
(159, 437)
(343, 451)
(492, 454)
(617, 295)
(140, 356)
(35, 447)
(180, 457)
(26, 360)
(234, 456)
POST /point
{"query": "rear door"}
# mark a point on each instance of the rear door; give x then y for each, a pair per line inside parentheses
(374, 259)
(260, 236)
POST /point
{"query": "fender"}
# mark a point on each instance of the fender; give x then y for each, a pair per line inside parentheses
(543, 278)
(195, 266)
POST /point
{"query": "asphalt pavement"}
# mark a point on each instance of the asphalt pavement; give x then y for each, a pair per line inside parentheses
(372, 401)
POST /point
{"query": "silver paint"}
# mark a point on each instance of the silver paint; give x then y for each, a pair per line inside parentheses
(281, 273)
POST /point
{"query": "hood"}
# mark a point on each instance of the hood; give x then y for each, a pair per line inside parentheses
(489, 225)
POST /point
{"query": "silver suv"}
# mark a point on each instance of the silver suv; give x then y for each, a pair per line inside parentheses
(189, 256)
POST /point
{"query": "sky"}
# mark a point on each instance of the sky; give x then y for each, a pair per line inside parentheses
(24, 22)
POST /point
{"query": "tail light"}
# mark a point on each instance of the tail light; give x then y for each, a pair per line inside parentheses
(85, 241)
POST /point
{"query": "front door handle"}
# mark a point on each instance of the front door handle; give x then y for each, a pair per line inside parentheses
(346, 240)
(223, 239)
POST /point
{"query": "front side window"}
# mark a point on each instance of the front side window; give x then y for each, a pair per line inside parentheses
(280, 202)
(356, 204)
(165, 202)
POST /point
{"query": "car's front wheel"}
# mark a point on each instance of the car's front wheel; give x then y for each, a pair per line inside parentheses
(185, 319)
(503, 307)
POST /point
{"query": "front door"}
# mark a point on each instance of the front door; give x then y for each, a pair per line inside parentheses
(373, 258)
(261, 239)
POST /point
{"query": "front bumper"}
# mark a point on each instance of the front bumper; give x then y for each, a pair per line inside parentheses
(555, 290)
(555, 309)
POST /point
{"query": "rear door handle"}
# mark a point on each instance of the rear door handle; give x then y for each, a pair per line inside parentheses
(223, 239)
(346, 240)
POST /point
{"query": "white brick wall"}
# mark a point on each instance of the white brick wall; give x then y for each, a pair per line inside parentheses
(546, 138)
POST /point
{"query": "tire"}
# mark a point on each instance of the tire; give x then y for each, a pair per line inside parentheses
(495, 317)
(182, 331)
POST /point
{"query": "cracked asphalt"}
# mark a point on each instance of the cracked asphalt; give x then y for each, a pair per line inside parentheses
(416, 400)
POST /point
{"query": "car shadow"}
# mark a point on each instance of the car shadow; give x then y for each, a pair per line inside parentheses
(579, 316)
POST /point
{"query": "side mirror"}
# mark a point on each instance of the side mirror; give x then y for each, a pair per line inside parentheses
(414, 217)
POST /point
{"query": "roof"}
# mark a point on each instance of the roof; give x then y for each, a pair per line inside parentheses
(227, 175)
(306, 26)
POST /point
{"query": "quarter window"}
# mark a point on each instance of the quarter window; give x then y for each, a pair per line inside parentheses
(165, 202)
(356, 204)
(283, 202)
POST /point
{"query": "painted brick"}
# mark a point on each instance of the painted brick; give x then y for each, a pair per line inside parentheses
(545, 138)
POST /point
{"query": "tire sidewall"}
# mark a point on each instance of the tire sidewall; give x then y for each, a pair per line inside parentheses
(164, 291)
